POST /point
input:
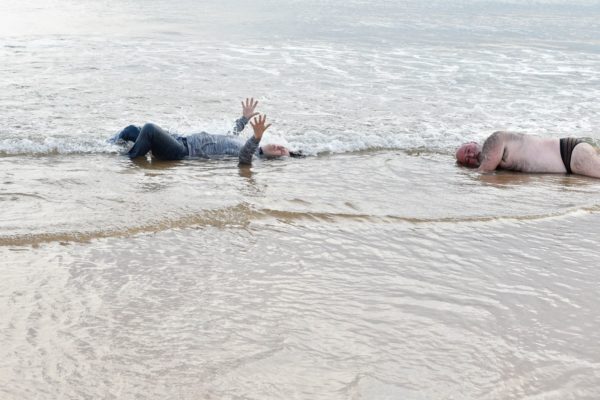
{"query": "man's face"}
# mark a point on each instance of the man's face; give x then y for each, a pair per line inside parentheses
(468, 154)
(275, 150)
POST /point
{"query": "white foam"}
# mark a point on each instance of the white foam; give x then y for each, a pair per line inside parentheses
(386, 89)
(56, 145)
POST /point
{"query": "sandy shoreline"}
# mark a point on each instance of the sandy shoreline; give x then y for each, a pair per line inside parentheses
(325, 309)
(210, 281)
(373, 269)
(101, 196)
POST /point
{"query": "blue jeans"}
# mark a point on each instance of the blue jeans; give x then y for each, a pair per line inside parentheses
(153, 138)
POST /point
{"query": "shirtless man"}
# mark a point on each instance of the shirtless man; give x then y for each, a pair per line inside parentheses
(529, 153)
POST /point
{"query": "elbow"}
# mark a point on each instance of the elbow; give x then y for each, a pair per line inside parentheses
(485, 169)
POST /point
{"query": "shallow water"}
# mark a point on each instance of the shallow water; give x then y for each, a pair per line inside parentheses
(374, 268)
(94, 196)
(309, 306)
(392, 276)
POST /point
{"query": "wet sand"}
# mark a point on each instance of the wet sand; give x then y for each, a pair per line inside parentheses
(83, 197)
(372, 269)
(424, 280)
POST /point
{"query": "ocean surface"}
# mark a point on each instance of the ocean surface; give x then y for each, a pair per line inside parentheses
(374, 268)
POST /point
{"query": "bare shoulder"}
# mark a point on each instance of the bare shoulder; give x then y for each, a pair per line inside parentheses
(507, 135)
(502, 137)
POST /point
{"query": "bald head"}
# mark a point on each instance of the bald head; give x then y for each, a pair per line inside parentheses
(468, 154)
(274, 150)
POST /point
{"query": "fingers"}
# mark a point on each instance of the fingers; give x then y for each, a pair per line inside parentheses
(250, 103)
(259, 127)
(260, 120)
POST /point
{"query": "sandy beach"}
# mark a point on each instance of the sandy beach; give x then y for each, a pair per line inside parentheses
(372, 268)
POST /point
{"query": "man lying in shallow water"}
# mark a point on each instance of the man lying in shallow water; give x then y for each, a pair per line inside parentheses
(529, 153)
(165, 146)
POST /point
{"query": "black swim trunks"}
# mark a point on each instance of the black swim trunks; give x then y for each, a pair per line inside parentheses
(566, 149)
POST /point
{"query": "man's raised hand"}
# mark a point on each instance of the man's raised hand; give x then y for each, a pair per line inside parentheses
(248, 108)
(259, 127)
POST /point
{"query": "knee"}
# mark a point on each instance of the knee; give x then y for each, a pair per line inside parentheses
(129, 133)
(150, 127)
(149, 130)
(131, 129)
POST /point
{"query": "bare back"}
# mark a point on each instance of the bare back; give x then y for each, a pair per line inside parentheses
(526, 153)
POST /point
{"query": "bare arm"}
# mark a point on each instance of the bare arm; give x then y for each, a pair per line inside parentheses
(492, 152)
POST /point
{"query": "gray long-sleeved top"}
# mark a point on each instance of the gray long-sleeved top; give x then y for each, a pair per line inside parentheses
(206, 145)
